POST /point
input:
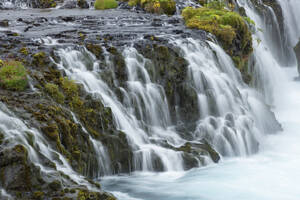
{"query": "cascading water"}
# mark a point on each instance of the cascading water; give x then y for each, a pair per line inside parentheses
(270, 175)
(291, 15)
(228, 109)
(231, 116)
(16, 132)
(149, 101)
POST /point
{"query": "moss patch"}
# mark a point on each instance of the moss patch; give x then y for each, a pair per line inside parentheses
(229, 27)
(13, 76)
(54, 92)
(156, 6)
(105, 4)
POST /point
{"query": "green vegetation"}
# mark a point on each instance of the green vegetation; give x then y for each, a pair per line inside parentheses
(70, 87)
(105, 4)
(54, 92)
(224, 24)
(156, 6)
(216, 4)
(13, 76)
(229, 27)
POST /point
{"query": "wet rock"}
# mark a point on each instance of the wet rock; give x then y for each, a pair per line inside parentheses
(82, 4)
(44, 4)
(69, 5)
(67, 18)
(4, 23)
(297, 53)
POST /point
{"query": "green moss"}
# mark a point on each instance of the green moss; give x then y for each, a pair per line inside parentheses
(51, 131)
(38, 195)
(39, 59)
(224, 24)
(55, 185)
(13, 76)
(215, 4)
(105, 4)
(156, 6)
(70, 87)
(24, 51)
(47, 3)
(229, 27)
(76, 103)
(95, 49)
(54, 92)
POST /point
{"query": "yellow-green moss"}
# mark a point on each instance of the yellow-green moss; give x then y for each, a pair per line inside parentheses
(105, 4)
(13, 76)
(39, 59)
(156, 6)
(1, 63)
(70, 87)
(229, 27)
(54, 92)
(224, 24)
(52, 131)
(38, 195)
(24, 51)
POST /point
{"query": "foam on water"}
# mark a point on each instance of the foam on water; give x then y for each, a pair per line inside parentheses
(273, 174)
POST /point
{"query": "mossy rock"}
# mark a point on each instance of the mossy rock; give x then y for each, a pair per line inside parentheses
(40, 59)
(96, 49)
(82, 4)
(13, 76)
(54, 92)
(105, 4)
(229, 27)
(44, 4)
(156, 6)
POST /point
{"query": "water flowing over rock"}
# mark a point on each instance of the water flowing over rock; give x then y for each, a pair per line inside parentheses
(119, 91)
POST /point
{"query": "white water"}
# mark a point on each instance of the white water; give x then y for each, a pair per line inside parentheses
(16, 132)
(239, 119)
(272, 174)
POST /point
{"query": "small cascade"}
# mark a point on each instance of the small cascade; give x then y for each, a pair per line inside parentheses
(228, 107)
(229, 115)
(144, 114)
(40, 153)
(291, 15)
(269, 30)
(10, 4)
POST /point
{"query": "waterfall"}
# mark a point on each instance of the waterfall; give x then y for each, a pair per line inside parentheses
(15, 132)
(10, 4)
(291, 15)
(232, 117)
